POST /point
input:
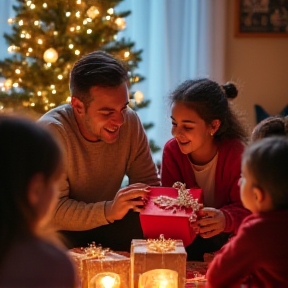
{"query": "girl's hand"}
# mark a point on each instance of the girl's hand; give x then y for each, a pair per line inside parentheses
(211, 224)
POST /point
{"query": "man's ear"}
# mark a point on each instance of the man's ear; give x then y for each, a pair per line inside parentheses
(77, 105)
(215, 124)
(35, 189)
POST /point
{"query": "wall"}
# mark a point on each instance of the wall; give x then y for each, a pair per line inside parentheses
(260, 66)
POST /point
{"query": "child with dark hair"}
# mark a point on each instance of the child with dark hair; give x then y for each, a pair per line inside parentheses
(271, 126)
(206, 152)
(31, 168)
(258, 253)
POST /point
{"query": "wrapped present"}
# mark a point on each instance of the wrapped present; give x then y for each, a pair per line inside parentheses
(169, 211)
(158, 253)
(94, 260)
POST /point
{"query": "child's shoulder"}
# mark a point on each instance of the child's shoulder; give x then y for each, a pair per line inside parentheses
(171, 144)
(46, 263)
(267, 221)
(171, 147)
(54, 256)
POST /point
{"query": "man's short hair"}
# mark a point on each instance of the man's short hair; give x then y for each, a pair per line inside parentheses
(267, 161)
(96, 69)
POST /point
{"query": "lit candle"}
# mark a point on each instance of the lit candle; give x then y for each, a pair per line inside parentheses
(105, 280)
(159, 278)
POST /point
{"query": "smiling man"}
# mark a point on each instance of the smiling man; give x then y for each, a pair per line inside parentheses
(103, 140)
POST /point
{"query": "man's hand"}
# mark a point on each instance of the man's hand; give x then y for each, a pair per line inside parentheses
(211, 224)
(131, 197)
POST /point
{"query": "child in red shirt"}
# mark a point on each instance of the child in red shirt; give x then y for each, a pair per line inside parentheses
(206, 152)
(258, 254)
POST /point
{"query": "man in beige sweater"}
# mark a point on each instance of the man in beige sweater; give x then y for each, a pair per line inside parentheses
(103, 140)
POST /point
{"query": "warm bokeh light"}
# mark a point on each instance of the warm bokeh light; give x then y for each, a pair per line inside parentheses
(50, 55)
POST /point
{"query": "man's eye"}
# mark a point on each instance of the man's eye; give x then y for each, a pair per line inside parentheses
(174, 124)
(106, 113)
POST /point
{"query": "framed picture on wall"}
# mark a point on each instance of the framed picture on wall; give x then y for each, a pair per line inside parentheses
(261, 18)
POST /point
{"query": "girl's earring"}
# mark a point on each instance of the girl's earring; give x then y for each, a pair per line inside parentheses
(211, 134)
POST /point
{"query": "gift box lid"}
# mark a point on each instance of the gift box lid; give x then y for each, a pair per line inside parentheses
(171, 223)
(78, 253)
(139, 246)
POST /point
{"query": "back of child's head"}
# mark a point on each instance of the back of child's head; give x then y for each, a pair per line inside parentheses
(27, 149)
(210, 101)
(271, 126)
(267, 162)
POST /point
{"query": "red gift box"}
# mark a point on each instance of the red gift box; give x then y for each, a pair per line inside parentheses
(155, 220)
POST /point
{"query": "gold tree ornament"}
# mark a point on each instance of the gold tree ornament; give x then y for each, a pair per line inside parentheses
(138, 96)
(92, 12)
(121, 23)
(50, 55)
(8, 84)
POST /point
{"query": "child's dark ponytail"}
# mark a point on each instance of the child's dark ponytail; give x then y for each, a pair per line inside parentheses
(230, 90)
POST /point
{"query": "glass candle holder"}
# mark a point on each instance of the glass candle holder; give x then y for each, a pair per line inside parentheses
(159, 278)
(105, 280)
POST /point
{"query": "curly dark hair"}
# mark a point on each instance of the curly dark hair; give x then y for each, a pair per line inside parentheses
(210, 101)
(271, 126)
(97, 68)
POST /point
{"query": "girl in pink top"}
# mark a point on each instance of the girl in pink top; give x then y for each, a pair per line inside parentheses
(206, 152)
(31, 168)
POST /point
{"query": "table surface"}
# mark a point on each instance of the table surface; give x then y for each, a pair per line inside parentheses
(195, 274)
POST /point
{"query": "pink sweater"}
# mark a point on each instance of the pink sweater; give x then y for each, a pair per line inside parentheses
(176, 167)
(257, 254)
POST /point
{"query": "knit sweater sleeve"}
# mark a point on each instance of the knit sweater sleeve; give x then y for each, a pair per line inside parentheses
(71, 214)
(76, 215)
(231, 265)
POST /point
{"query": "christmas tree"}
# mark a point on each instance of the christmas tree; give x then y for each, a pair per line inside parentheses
(48, 38)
